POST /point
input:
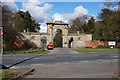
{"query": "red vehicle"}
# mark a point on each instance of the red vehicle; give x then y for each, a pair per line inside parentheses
(50, 46)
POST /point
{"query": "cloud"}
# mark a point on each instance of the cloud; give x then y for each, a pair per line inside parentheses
(41, 14)
(58, 17)
(117, 8)
(7, 0)
(78, 11)
(43, 27)
(11, 4)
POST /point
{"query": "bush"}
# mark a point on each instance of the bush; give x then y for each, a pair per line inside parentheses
(88, 47)
(29, 45)
(100, 46)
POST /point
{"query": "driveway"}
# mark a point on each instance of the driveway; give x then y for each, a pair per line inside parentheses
(66, 63)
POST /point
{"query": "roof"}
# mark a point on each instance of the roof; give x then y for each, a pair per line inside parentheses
(57, 23)
(36, 33)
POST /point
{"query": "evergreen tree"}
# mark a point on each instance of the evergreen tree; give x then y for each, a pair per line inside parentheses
(91, 25)
(23, 20)
(109, 25)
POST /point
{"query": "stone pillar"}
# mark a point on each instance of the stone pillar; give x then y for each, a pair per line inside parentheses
(47, 42)
(39, 41)
(66, 42)
(63, 41)
(78, 32)
(51, 34)
(75, 42)
(66, 34)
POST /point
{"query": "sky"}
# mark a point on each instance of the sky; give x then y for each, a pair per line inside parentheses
(49, 11)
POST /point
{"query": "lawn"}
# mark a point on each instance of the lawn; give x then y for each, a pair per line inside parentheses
(26, 51)
(95, 49)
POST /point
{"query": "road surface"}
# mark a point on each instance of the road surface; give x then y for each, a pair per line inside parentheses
(66, 63)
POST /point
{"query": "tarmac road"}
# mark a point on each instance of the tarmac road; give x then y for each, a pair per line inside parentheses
(66, 63)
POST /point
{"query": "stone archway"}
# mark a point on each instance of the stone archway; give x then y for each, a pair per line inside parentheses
(51, 26)
(58, 39)
(43, 36)
(78, 39)
(43, 41)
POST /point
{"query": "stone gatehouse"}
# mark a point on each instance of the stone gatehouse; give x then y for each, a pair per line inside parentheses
(68, 39)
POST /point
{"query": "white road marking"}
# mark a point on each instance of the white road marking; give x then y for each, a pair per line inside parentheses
(84, 61)
(35, 58)
(115, 56)
(15, 67)
(65, 62)
(99, 60)
(39, 64)
(115, 59)
(57, 63)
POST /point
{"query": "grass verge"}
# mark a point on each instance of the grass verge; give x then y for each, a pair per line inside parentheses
(94, 50)
(6, 75)
(26, 51)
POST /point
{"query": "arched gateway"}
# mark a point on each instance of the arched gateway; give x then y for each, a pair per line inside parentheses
(51, 26)
(68, 40)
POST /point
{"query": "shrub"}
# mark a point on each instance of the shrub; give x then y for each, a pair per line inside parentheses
(100, 46)
(29, 45)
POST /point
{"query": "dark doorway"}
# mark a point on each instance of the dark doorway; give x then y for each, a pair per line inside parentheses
(57, 41)
(70, 42)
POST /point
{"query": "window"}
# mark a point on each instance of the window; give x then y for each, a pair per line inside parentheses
(32, 37)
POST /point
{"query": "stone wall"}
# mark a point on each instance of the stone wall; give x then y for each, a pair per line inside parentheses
(78, 39)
